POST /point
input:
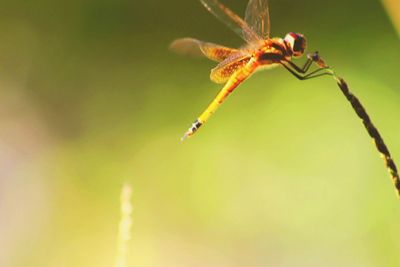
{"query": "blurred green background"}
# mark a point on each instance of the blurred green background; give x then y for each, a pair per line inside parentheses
(283, 175)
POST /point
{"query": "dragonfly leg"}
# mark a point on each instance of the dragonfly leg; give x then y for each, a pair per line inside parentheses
(314, 57)
(306, 66)
(299, 74)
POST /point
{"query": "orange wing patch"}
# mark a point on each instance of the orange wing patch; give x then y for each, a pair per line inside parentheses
(194, 47)
(217, 53)
(228, 67)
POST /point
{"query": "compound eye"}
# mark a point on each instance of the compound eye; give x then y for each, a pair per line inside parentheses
(299, 45)
(296, 43)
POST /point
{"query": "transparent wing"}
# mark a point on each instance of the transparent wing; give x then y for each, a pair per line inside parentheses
(233, 21)
(228, 67)
(194, 47)
(257, 17)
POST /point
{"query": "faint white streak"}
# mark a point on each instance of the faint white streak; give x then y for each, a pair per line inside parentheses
(124, 232)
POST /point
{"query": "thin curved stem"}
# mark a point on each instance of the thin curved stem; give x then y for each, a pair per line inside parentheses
(369, 126)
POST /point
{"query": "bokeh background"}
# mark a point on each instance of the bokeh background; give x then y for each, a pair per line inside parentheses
(283, 175)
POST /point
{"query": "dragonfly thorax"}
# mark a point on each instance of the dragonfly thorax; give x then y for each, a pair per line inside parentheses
(296, 43)
(273, 51)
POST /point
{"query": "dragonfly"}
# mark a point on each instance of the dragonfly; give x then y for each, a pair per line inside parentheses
(235, 65)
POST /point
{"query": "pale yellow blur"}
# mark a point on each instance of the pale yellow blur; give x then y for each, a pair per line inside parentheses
(124, 233)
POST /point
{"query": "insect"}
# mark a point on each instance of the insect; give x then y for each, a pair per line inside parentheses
(261, 51)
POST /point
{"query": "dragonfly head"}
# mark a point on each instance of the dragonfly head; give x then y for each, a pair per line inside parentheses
(296, 43)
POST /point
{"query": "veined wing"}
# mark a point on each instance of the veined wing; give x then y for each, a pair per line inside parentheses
(233, 21)
(194, 47)
(257, 17)
(228, 67)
